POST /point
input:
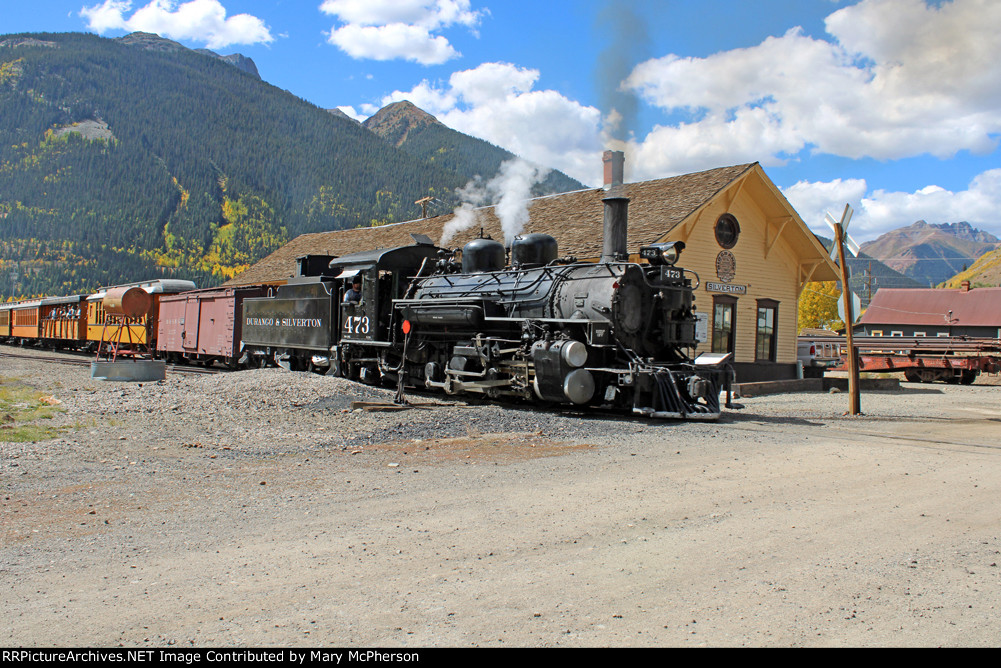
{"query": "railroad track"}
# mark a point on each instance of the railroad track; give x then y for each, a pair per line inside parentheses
(85, 360)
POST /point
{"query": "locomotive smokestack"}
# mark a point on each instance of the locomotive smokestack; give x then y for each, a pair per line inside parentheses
(616, 209)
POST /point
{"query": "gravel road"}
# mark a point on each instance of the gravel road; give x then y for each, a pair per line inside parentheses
(257, 509)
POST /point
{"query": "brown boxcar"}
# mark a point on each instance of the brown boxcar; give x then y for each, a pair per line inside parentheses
(101, 327)
(204, 325)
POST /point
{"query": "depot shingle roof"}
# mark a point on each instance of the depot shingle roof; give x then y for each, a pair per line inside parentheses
(574, 219)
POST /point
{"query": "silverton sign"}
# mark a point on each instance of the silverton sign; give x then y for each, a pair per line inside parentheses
(727, 288)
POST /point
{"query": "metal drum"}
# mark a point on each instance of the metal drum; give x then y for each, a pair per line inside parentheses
(129, 302)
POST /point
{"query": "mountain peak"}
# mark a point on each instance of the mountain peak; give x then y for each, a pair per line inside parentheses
(237, 60)
(150, 41)
(931, 253)
(964, 230)
(153, 42)
(395, 121)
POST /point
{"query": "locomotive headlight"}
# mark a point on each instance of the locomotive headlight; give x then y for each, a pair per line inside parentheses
(672, 251)
(666, 253)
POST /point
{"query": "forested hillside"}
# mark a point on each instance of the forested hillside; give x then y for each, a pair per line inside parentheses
(984, 273)
(127, 159)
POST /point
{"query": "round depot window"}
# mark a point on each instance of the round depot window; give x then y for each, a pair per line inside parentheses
(727, 231)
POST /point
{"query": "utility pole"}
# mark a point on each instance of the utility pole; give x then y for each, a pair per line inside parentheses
(424, 202)
(870, 280)
(855, 398)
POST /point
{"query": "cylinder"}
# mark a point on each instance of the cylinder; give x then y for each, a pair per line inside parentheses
(615, 228)
(128, 302)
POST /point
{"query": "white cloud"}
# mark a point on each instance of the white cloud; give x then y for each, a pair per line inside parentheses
(430, 14)
(880, 211)
(899, 79)
(203, 21)
(496, 102)
(392, 42)
(398, 29)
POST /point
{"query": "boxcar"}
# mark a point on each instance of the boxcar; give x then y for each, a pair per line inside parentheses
(204, 325)
(141, 330)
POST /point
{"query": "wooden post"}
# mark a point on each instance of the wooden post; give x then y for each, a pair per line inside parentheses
(854, 400)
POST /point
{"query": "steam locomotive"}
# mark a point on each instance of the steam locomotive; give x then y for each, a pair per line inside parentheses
(538, 328)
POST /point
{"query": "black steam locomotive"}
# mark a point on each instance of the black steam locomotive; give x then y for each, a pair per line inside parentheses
(540, 328)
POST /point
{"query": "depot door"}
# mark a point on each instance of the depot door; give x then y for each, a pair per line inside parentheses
(724, 324)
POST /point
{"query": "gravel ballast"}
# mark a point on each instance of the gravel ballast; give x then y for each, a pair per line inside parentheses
(258, 508)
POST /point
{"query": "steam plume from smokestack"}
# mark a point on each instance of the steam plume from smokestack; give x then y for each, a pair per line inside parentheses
(629, 45)
(509, 191)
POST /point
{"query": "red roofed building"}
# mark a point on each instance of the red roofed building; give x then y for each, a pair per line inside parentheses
(910, 312)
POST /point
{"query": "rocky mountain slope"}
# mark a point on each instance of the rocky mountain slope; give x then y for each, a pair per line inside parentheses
(930, 253)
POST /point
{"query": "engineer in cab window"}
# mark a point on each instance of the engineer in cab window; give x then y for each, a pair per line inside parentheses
(353, 295)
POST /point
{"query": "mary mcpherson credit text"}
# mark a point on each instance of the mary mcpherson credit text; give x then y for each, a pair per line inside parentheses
(189, 657)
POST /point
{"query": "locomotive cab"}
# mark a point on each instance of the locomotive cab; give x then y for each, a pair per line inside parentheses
(367, 328)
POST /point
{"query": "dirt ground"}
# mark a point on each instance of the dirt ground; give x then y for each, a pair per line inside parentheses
(785, 523)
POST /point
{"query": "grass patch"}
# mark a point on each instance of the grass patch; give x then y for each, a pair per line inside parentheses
(24, 411)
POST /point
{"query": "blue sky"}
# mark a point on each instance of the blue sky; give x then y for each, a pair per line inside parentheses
(891, 105)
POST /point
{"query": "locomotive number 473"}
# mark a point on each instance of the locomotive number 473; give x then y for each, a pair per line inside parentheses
(356, 324)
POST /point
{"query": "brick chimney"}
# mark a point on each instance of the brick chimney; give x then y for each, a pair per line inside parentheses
(964, 286)
(615, 162)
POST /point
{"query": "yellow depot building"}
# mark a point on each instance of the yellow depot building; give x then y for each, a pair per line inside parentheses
(751, 252)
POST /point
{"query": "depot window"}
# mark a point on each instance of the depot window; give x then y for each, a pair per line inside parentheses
(727, 230)
(767, 336)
